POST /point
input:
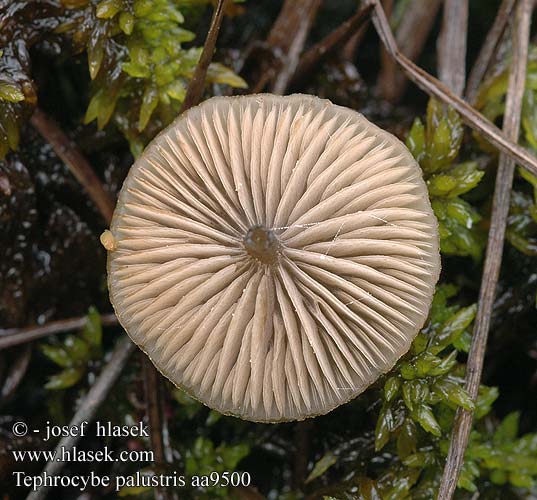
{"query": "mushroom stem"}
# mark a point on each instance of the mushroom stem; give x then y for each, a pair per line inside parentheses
(262, 244)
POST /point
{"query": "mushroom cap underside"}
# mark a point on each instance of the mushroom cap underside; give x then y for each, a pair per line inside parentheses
(273, 256)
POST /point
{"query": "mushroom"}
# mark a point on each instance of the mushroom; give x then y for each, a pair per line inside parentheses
(272, 255)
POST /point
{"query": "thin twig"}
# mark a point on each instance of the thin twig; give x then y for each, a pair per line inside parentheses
(488, 50)
(388, 67)
(348, 51)
(153, 407)
(435, 88)
(88, 408)
(491, 268)
(14, 336)
(16, 373)
(452, 45)
(152, 403)
(75, 161)
(411, 35)
(330, 43)
(168, 450)
(302, 441)
(288, 36)
(197, 84)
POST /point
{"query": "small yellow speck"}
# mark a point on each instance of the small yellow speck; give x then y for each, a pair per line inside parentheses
(108, 241)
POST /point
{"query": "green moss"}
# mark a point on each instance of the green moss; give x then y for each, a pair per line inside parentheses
(135, 57)
(138, 64)
(75, 353)
(522, 222)
(436, 146)
(418, 400)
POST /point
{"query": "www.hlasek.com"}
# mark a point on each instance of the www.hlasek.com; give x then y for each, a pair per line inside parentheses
(92, 480)
(76, 455)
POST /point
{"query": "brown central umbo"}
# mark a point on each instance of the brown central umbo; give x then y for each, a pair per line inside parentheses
(262, 244)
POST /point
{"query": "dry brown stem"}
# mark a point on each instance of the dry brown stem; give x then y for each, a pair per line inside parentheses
(348, 51)
(329, 44)
(195, 88)
(17, 370)
(287, 38)
(75, 161)
(14, 336)
(411, 35)
(491, 269)
(436, 89)
(452, 45)
(155, 417)
(488, 49)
